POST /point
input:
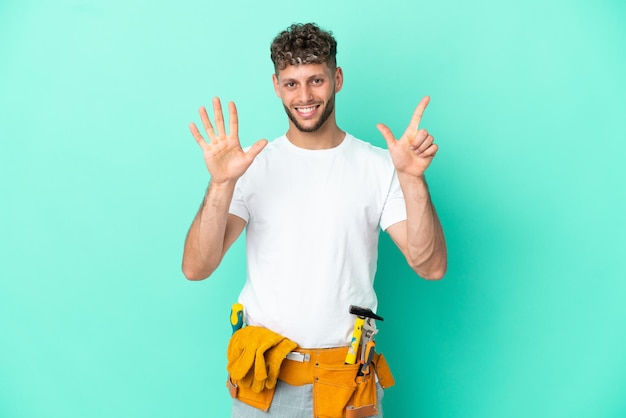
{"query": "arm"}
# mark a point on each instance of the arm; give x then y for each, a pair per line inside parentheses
(420, 237)
(213, 229)
(212, 232)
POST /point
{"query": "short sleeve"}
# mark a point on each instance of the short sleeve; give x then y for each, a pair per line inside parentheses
(394, 210)
(238, 205)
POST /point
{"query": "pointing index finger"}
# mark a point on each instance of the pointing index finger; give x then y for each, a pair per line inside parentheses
(417, 115)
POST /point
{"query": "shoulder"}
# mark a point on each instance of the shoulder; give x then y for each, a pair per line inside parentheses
(365, 146)
(275, 144)
(272, 148)
(368, 152)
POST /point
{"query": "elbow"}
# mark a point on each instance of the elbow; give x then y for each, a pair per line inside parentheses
(192, 277)
(196, 268)
(436, 274)
(194, 274)
(430, 269)
(430, 272)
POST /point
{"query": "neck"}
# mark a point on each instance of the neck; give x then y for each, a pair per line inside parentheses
(327, 136)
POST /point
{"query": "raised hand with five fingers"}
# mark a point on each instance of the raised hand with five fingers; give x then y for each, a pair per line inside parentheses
(223, 155)
(414, 151)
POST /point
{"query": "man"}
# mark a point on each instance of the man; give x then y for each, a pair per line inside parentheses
(312, 203)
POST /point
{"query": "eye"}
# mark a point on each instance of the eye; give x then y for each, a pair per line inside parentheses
(318, 80)
(290, 84)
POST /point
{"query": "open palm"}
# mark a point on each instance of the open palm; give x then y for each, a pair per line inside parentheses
(223, 155)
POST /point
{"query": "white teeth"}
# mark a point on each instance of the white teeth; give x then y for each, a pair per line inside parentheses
(305, 109)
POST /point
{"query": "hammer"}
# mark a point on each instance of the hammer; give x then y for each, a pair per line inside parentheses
(364, 330)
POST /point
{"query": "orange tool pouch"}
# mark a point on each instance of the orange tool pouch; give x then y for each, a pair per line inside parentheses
(261, 400)
(255, 355)
(337, 391)
(364, 402)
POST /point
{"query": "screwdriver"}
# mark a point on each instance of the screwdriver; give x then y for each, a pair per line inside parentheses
(236, 316)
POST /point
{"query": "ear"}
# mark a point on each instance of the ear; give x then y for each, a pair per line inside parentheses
(276, 88)
(338, 79)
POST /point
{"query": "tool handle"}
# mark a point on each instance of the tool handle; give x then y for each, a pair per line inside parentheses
(236, 316)
(356, 338)
(367, 358)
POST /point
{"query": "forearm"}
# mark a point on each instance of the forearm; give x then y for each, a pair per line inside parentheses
(205, 242)
(426, 248)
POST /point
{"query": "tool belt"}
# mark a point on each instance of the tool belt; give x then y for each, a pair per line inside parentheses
(337, 390)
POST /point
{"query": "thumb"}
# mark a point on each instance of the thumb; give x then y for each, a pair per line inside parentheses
(256, 149)
(387, 134)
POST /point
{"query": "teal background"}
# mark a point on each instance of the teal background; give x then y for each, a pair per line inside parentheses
(100, 180)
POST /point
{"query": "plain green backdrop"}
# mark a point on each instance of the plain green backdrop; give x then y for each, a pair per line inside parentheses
(100, 180)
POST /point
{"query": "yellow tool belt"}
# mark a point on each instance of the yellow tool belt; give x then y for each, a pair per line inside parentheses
(337, 390)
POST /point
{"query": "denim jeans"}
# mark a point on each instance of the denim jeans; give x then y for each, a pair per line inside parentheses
(290, 402)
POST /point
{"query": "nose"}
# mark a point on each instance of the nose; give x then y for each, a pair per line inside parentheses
(306, 94)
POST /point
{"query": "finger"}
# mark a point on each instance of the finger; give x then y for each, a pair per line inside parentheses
(419, 139)
(424, 140)
(256, 148)
(417, 116)
(218, 116)
(387, 134)
(428, 141)
(208, 128)
(233, 121)
(197, 135)
(430, 151)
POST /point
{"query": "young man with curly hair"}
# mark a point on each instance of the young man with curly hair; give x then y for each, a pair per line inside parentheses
(312, 202)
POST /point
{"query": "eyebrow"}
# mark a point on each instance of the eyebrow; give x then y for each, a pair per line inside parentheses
(320, 75)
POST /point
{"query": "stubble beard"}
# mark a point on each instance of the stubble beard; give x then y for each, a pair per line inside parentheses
(328, 110)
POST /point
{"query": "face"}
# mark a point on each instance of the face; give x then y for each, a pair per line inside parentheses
(308, 93)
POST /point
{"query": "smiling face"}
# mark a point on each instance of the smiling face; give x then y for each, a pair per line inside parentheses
(308, 94)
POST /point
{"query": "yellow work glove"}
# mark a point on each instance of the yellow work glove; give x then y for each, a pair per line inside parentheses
(247, 381)
(267, 368)
(274, 358)
(246, 347)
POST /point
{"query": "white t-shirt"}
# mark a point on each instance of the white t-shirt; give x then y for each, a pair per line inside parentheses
(313, 219)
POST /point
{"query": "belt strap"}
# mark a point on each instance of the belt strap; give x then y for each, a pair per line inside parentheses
(362, 411)
(297, 356)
